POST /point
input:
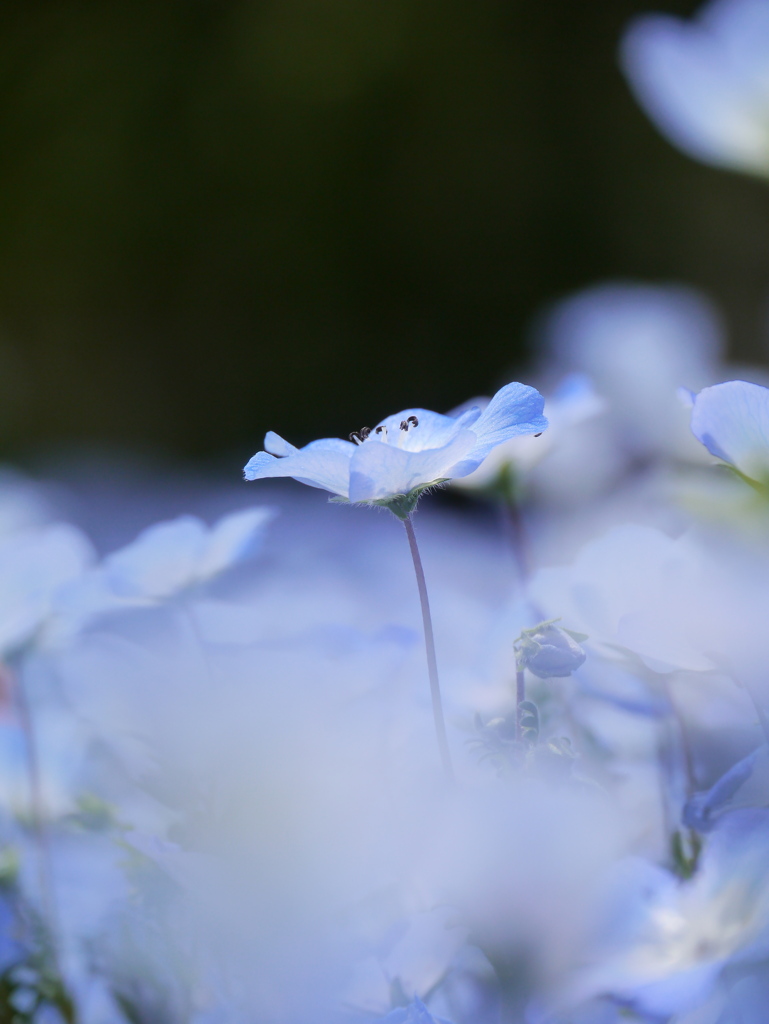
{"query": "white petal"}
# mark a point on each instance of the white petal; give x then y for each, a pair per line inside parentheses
(234, 538)
(161, 561)
(732, 421)
(379, 470)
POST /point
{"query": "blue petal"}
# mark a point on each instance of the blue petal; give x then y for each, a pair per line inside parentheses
(232, 539)
(515, 409)
(276, 445)
(161, 561)
(433, 430)
(318, 465)
(330, 444)
(732, 421)
(379, 470)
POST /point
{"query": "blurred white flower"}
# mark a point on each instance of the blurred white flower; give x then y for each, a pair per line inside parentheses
(638, 344)
(705, 82)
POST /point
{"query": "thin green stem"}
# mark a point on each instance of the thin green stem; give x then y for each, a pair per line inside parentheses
(432, 664)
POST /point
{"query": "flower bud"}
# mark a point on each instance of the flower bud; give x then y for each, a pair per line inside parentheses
(550, 651)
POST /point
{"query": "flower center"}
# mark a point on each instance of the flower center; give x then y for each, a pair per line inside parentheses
(359, 436)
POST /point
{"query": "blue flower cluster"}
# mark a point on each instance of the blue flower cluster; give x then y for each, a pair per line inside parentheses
(220, 795)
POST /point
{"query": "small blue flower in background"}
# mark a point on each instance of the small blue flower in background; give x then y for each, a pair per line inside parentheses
(406, 452)
(732, 421)
(705, 83)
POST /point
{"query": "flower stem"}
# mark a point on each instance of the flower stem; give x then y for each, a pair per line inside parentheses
(432, 664)
(520, 696)
(38, 814)
(516, 528)
(763, 721)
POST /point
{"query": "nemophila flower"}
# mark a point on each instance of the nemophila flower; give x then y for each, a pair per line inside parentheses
(668, 941)
(167, 559)
(732, 421)
(705, 83)
(393, 462)
(170, 557)
(35, 566)
(549, 651)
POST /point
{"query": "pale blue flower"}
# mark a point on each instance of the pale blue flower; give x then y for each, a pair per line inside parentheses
(705, 83)
(167, 560)
(668, 941)
(172, 556)
(732, 421)
(35, 565)
(404, 453)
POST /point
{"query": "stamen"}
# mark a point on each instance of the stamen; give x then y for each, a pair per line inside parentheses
(413, 421)
(364, 433)
(355, 436)
(381, 430)
(404, 424)
(539, 434)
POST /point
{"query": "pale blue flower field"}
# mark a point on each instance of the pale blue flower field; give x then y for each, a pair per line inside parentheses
(471, 729)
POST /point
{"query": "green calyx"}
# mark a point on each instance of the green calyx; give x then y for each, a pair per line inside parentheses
(401, 505)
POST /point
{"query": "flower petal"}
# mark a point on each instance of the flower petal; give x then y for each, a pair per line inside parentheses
(330, 444)
(433, 430)
(161, 561)
(316, 466)
(516, 409)
(276, 445)
(232, 539)
(379, 470)
(732, 421)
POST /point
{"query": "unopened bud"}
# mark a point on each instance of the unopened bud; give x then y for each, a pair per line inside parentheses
(550, 651)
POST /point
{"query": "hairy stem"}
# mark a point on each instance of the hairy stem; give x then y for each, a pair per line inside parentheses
(432, 664)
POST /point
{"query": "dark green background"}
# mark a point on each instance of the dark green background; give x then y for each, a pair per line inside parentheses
(222, 217)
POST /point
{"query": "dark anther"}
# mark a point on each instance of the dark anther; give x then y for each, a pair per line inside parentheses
(413, 421)
(355, 436)
(381, 429)
(539, 434)
(404, 424)
(364, 433)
